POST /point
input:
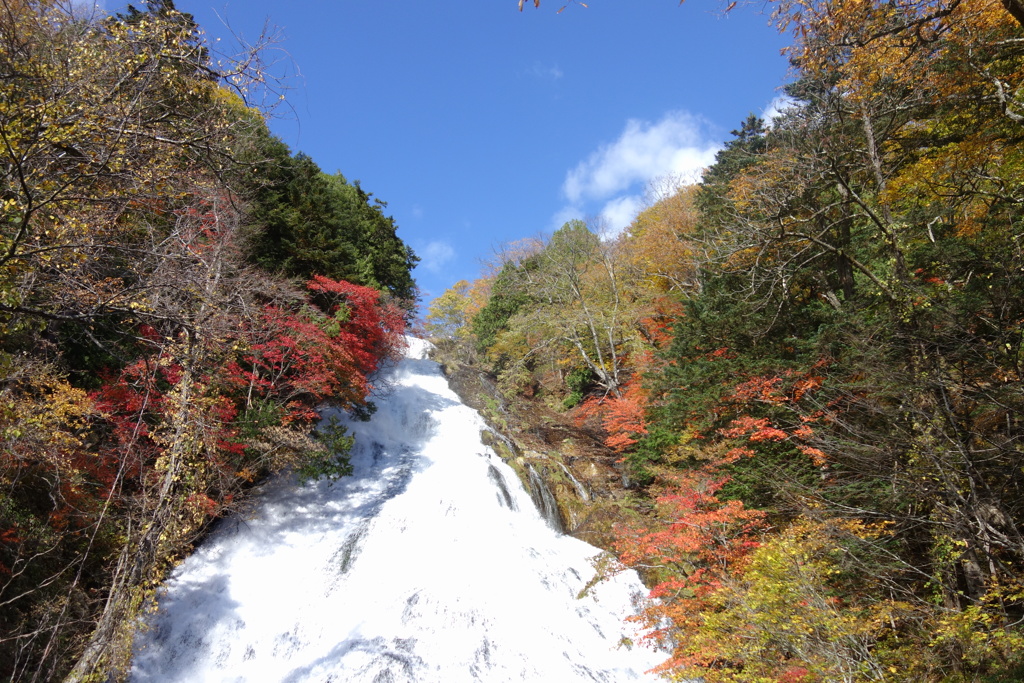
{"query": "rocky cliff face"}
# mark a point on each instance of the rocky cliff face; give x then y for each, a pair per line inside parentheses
(574, 479)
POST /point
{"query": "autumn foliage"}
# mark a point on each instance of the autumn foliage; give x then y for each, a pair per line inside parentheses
(697, 542)
(809, 363)
(621, 417)
(150, 371)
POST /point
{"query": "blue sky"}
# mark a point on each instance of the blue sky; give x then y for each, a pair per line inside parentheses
(481, 125)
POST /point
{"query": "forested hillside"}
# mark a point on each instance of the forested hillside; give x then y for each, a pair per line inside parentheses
(811, 361)
(179, 294)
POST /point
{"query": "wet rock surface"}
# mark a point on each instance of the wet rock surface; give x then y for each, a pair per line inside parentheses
(579, 472)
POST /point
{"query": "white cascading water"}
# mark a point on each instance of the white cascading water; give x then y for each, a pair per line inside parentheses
(429, 564)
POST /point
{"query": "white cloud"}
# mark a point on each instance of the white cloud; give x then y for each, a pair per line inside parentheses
(777, 108)
(564, 215)
(434, 256)
(612, 180)
(677, 144)
(620, 212)
(553, 72)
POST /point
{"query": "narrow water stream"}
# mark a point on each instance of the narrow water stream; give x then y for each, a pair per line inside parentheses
(429, 564)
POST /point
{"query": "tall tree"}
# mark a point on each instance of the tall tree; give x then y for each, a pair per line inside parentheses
(147, 375)
(855, 334)
(305, 222)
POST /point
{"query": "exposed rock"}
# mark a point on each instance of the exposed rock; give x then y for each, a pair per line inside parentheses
(547, 450)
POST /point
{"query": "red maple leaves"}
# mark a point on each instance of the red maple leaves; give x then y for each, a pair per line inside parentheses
(692, 543)
(284, 361)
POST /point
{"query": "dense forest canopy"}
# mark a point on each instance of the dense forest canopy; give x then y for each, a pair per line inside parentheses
(179, 296)
(811, 361)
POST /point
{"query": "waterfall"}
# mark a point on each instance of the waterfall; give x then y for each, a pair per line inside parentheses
(429, 564)
(581, 490)
(544, 500)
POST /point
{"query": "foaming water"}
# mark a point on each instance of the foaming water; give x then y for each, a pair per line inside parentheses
(429, 564)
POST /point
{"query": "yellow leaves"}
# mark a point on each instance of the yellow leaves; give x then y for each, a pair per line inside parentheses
(41, 415)
(770, 184)
(780, 612)
(658, 250)
(981, 632)
(93, 119)
(912, 48)
(961, 178)
(246, 474)
(447, 317)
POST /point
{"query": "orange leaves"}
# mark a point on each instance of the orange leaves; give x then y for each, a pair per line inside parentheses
(691, 545)
(722, 353)
(761, 430)
(622, 417)
(754, 429)
(804, 385)
(764, 389)
(803, 432)
(775, 392)
(656, 326)
(736, 454)
(693, 528)
(768, 433)
(743, 426)
(816, 455)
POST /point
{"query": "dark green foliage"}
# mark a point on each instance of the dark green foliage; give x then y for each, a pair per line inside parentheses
(506, 299)
(650, 450)
(331, 460)
(722, 339)
(305, 222)
(771, 479)
(577, 381)
(258, 417)
(749, 142)
(906, 387)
